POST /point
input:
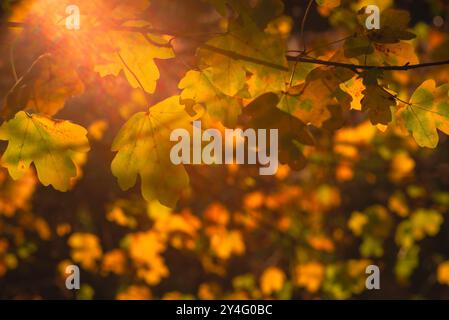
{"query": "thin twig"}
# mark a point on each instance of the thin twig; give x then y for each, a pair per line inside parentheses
(12, 61)
(303, 24)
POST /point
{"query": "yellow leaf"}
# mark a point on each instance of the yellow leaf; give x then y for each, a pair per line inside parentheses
(145, 249)
(86, 249)
(402, 166)
(310, 276)
(272, 280)
(135, 292)
(224, 243)
(354, 88)
(133, 54)
(51, 145)
(143, 148)
(443, 273)
(44, 88)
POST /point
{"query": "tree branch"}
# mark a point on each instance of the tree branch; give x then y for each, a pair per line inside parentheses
(367, 67)
(299, 58)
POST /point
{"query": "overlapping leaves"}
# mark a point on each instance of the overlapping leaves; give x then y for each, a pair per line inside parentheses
(143, 149)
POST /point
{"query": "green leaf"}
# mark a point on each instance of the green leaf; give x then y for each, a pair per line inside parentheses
(427, 111)
(357, 46)
(393, 27)
(245, 50)
(51, 145)
(197, 86)
(225, 73)
(143, 148)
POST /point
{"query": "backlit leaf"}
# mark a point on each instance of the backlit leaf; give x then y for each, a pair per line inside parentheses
(427, 111)
(143, 148)
(51, 145)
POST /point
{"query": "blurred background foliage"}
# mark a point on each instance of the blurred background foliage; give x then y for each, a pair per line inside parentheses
(365, 197)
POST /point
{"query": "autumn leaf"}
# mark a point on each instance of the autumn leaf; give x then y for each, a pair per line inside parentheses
(263, 113)
(427, 112)
(386, 46)
(443, 273)
(328, 3)
(197, 86)
(358, 46)
(272, 280)
(44, 88)
(310, 101)
(393, 27)
(51, 145)
(145, 249)
(310, 276)
(135, 292)
(396, 54)
(422, 223)
(224, 243)
(354, 87)
(377, 102)
(326, 6)
(143, 148)
(85, 249)
(239, 53)
(133, 53)
(227, 74)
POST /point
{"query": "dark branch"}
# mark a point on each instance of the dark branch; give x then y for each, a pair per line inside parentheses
(237, 56)
(366, 67)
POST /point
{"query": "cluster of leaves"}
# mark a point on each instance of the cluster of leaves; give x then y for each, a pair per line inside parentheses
(232, 70)
(298, 234)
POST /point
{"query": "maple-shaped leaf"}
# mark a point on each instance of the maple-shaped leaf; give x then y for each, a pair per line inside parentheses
(134, 54)
(197, 86)
(224, 72)
(427, 111)
(355, 88)
(395, 54)
(393, 27)
(357, 46)
(143, 148)
(246, 50)
(309, 101)
(263, 113)
(44, 88)
(384, 46)
(52, 146)
(377, 102)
